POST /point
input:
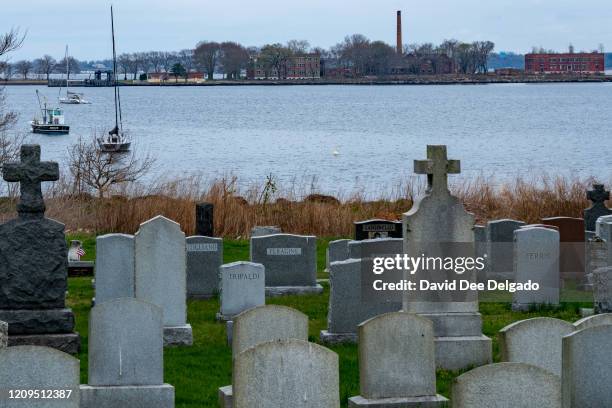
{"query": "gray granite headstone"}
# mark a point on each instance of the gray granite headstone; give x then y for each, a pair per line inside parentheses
(598, 197)
(397, 364)
(260, 325)
(436, 219)
(592, 321)
(204, 257)
(114, 267)
(480, 248)
(505, 385)
(259, 231)
(290, 261)
(499, 243)
(286, 373)
(603, 229)
(33, 262)
(337, 251)
(535, 341)
(587, 368)
(536, 261)
(39, 368)
(126, 363)
(602, 290)
(160, 276)
(346, 308)
(242, 287)
(368, 248)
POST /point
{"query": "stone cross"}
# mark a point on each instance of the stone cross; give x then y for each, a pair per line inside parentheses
(598, 195)
(30, 173)
(437, 167)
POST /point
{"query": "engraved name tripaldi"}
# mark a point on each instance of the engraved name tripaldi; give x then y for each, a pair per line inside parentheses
(244, 276)
(284, 251)
(534, 256)
(202, 247)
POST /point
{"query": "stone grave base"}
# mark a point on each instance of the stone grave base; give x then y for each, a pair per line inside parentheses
(67, 342)
(525, 307)
(226, 397)
(28, 321)
(586, 312)
(141, 396)
(456, 353)
(178, 336)
(293, 290)
(433, 401)
(224, 318)
(337, 338)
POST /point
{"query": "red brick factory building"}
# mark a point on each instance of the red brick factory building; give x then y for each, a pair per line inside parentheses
(582, 63)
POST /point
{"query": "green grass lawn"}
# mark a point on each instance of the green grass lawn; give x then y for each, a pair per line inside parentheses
(197, 372)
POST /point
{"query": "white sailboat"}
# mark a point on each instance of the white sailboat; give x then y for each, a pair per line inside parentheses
(116, 141)
(72, 98)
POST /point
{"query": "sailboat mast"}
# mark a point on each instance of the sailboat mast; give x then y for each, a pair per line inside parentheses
(67, 70)
(115, 70)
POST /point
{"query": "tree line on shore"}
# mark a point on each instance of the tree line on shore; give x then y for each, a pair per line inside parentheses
(356, 55)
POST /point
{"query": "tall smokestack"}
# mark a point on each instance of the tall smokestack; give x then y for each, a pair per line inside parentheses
(400, 47)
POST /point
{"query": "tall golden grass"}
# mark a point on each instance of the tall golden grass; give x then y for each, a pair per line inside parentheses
(237, 211)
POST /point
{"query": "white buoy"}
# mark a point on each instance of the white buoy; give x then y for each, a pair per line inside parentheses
(335, 152)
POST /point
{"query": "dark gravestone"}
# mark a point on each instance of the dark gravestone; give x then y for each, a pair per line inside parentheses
(572, 246)
(597, 196)
(372, 229)
(33, 263)
(205, 220)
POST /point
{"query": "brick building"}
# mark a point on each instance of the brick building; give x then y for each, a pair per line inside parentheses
(300, 66)
(590, 63)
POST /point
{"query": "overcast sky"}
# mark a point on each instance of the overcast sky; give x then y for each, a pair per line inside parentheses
(141, 25)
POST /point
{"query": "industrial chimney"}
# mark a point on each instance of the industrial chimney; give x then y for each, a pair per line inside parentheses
(399, 45)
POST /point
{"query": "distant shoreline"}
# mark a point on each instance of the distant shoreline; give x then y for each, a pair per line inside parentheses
(412, 80)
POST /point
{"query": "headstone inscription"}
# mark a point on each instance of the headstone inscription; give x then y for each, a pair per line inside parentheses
(286, 373)
(598, 196)
(397, 366)
(126, 367)
(504, 385)
(500, 247)
(587, 368)
(33, 263)
(204, 257)
(160, 277)
(346, 308)
(571, 235)
(290, 262)
(205, 225)
(377, 228)
(242, 287)
(457, 324)
(36, 368)
(535, 341)
(536, 261)
(114, 267)
(260, 325)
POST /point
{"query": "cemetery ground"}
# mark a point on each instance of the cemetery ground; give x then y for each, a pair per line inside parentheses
(197, 372)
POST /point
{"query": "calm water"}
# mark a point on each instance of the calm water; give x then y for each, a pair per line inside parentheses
(291, 131)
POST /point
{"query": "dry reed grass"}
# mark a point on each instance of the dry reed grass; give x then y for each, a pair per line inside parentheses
(237, 211)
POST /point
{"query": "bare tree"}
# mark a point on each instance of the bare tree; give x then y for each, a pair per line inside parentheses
(124, 64)
(24, 67)
(234, 57)
(45, 65)
(185, 58)
(95, 170)
(206, 56)
(11, 41)
(298, 46)
(73, 66)
(275, 58)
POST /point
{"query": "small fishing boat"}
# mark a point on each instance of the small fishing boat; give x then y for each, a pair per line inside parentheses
(72, 98)
(52, 122)
(117, 140)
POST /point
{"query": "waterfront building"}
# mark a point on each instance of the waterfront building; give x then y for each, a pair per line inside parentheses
(299, 66)
(584, 63)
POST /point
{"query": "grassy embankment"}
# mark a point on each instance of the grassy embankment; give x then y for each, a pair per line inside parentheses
(198, 371)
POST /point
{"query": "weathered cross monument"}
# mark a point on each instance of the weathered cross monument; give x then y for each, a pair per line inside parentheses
(33, 263)
(436, 221)
(598, 196)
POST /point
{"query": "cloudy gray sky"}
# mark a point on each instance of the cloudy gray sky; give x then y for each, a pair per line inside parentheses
(514, 25)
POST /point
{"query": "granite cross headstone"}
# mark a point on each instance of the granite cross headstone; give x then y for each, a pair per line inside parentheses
(598, 196)
(439, 222)
(205, 225)
(33, 263)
